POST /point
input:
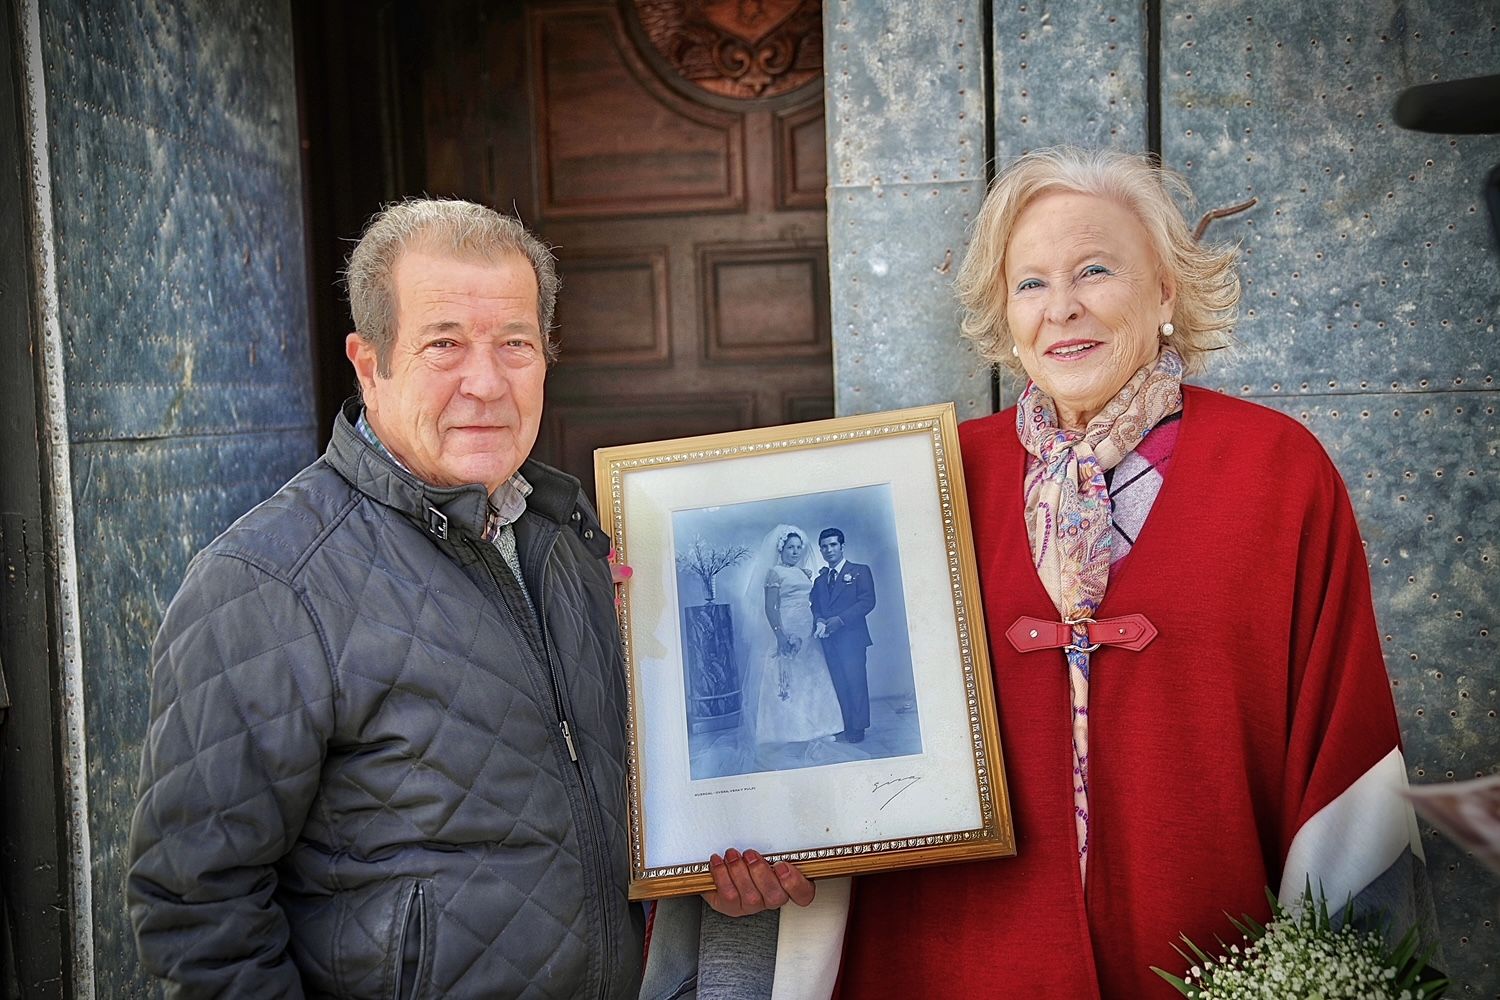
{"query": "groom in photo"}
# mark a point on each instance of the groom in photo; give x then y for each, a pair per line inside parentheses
(842, 595)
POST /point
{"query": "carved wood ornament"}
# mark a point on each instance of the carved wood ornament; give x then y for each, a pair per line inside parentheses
(746, 50)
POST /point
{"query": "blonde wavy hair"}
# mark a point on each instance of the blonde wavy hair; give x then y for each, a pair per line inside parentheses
(1208, 285)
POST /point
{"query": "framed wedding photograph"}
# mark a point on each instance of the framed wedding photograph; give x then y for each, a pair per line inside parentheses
(808, 671)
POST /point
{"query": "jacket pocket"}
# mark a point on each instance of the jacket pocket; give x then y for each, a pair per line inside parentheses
(410, 944)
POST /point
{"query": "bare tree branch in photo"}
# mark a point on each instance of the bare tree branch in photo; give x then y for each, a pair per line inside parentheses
(705, 561)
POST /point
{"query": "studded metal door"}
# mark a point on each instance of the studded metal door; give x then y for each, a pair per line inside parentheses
(178, 382)
(1372, 298)
(1372, 284)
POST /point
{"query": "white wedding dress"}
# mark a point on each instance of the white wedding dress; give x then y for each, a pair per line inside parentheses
(793, 698)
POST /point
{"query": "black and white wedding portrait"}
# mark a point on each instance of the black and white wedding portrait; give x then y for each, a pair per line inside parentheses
(796, 651)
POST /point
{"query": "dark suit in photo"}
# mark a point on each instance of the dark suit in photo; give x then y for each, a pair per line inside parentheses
(848, 595)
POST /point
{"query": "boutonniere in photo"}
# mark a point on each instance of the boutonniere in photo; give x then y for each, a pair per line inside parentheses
(1300, 955)
(848, 577)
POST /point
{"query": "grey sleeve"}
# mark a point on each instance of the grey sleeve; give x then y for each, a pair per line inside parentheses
(241, 711)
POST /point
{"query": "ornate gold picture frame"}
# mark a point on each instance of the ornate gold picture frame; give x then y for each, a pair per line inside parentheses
(808, 671)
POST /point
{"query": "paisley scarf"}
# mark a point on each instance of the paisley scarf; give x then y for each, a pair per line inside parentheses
(1068, 518)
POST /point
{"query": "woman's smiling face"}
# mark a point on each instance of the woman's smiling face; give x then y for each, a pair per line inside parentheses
(1085, 299)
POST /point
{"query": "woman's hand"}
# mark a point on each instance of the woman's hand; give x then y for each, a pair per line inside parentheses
(784, 645)
(747, 883)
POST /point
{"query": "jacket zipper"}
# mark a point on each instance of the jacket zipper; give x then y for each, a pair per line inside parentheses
(552, 678)
(595, 838)
(416, 900)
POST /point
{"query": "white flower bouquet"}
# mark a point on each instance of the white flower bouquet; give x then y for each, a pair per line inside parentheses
(1300, 955)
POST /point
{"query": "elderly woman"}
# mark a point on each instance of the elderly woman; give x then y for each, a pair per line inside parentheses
(1214, 717)
(1193, 704)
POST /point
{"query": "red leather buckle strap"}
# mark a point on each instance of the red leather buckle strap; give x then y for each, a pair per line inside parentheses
(1131, 632)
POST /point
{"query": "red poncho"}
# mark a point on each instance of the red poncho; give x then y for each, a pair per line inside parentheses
(1263, 699)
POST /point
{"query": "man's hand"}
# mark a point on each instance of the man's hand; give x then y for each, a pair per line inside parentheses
(746, 883)
(832, 625)
(618, 574)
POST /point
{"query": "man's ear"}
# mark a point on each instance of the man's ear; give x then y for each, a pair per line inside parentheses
(362, 356)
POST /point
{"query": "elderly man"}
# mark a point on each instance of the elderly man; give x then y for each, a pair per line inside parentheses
(387, 715)
(386, 748)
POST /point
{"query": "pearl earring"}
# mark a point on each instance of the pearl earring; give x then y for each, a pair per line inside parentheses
(1167, 329)
(1015, 351)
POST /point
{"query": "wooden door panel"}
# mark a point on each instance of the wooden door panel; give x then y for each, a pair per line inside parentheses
(801, 158)
(612, 143)
(616, 308)
(476, 106)
(763, 301)
(689, 224)
(571, 431)
(799, 407)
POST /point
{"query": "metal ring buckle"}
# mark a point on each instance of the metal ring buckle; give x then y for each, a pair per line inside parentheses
(1085, 621)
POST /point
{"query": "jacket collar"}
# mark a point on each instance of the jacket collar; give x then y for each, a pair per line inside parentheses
(445, 510)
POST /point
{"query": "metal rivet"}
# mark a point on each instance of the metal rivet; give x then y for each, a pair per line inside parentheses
(1034, 633)
(588, 533)
(1122, 631)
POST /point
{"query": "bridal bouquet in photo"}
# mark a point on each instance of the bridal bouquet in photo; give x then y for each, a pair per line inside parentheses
(1300, 955)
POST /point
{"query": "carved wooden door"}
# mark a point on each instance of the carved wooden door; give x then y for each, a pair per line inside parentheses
(672, 151)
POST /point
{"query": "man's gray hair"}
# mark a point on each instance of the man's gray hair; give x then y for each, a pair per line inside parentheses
(445, 226)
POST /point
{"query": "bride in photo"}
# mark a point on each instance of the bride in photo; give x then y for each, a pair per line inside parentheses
(791, 711)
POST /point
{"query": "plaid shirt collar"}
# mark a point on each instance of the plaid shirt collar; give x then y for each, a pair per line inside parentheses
(507, 503)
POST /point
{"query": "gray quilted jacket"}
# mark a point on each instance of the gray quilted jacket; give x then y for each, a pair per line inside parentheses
(357, 781)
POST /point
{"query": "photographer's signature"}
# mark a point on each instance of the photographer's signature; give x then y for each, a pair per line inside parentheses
(900, 785)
